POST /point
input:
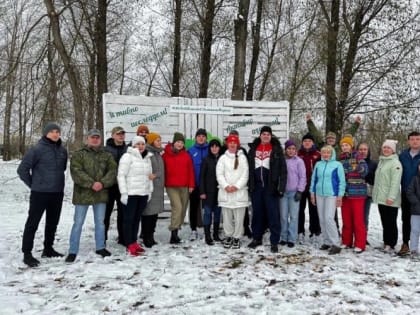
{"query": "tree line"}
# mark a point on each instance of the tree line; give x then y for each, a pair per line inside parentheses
(333, 58)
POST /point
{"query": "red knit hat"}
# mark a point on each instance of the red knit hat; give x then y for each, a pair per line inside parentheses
(233, 138)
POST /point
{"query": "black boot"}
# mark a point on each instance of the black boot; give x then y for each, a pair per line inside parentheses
(30, 260)
(148, 240)
(216, 232)
(49, 252)
(174, 237)
(209, 240)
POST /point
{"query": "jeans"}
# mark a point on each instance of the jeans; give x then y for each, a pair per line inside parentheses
(78, 221)
(208, 211)
(289, 217)
(415, 232)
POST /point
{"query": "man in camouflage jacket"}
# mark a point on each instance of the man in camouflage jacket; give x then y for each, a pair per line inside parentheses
(93, 171)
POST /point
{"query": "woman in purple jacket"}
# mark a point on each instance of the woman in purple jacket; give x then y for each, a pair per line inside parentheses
(289, 204)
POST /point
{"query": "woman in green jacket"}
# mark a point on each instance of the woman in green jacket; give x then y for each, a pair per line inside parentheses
(386, 192)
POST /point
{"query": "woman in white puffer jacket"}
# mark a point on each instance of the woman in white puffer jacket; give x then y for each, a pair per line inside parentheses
(135, 180)
(232, 176)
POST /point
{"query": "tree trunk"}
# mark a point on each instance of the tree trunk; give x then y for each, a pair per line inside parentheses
(177, 49)
(71, 70)
(333, 120)
(207, 24)
(52, 100)
(241, 34)
(270, 59)
(102, 61)
(256, 29)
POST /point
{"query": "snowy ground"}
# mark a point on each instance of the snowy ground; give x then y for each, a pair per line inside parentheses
(194, 278)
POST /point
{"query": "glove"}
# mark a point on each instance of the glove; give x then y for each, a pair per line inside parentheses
(298, 196)
(124, 199)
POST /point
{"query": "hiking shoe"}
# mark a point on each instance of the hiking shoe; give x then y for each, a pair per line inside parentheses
(274, 248)
(325, 247)
(70, 258)
(358, 250)
(282, 243)
(334, 250)
(236, 243)
(30, 260)
(345, 246)
(404, 251)
(50, 252)
(103, 252)
(290, 244)
(227, 242)
(255, 243)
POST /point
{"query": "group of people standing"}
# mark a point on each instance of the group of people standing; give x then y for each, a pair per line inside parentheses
(223, 179)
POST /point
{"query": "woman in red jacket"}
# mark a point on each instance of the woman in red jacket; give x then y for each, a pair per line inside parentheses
(179, 182)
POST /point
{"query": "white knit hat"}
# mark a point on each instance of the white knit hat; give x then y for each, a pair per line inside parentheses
(391, 144)
(138, 139)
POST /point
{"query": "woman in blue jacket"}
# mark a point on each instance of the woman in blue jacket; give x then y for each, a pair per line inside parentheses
(327, 188)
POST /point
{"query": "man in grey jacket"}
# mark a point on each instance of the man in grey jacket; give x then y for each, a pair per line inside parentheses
(42, 170)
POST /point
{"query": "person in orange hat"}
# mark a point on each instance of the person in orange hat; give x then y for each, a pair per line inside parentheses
(143, 131)
(156, 204)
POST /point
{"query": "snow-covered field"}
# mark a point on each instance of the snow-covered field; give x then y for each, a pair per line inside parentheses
(194, 278)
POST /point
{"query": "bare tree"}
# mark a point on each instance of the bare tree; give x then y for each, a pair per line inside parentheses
(256, 30)
(71, 70)
(241, 34)
(177, 49)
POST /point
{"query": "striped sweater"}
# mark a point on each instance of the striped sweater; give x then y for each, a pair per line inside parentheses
(355, 170)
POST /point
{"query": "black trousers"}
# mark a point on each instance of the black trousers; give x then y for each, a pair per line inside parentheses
(114, 196)
(39, 202)
(148, 225)
(132, 216)
(314, 226)
(406, 218)
(195, 209)
(389, 224)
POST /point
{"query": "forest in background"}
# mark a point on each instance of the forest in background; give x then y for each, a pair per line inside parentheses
(335, 59)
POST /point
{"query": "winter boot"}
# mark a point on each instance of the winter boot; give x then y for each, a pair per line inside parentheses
(216, 232)
(174, 237)
(209, 240)
(49, 252)
(30, 260)
(148, 241)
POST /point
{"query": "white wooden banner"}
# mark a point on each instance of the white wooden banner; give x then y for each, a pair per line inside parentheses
(218, 116)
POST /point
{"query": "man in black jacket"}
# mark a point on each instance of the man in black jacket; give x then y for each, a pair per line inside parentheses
(267, 183)
(42, 170)
(117, 147)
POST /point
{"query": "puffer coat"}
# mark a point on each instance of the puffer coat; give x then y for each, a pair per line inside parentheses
(227, 176)
(133, 173)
